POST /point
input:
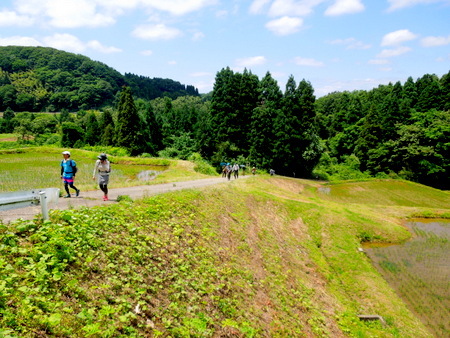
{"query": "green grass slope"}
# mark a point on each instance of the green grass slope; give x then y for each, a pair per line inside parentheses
(261, 257)
(386, 192)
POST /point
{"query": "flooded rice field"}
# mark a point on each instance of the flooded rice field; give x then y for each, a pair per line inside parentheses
(419, 271)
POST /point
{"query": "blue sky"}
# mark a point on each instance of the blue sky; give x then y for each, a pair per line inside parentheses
(337, 45)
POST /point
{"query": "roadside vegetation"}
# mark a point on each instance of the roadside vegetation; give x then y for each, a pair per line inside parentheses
(265, 256)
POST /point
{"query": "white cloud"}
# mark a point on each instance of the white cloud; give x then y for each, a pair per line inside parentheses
(147, 52)
(92, 13)
(19, 41)
(341, 7)
(172, 62)
(251, 61)
(351, 43)
(156, 32)
(178, 7)
(65, 42)
(292, 7)
(285, 25)
(97, 46)
(257, 6)
(387, 53)
(10, 18)
(308, 62)
(434, 41)
(399, 4)
(65, 13)
(397, 37)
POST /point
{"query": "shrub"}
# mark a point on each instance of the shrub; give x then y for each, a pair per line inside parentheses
(202, 166)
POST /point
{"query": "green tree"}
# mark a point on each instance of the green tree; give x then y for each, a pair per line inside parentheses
(106, 128)
(263, 135)
(8, 117)
(92, 134)
(128, 128)
(71, 134)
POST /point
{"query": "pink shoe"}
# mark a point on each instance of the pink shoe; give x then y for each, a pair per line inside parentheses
(105, 198)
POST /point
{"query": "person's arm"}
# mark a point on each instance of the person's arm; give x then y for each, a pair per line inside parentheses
(62, 169)
(95, 168)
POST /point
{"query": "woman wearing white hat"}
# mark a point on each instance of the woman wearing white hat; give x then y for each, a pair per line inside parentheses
(68, 172)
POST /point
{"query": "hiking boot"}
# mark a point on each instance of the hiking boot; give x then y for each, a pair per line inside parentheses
(67, 196)
(78, 192)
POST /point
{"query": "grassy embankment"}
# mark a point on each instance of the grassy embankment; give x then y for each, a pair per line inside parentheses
(266, 256)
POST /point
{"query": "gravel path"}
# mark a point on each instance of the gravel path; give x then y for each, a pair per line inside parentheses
(93, 198)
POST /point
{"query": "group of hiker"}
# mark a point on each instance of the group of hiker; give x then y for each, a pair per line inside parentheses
(229, 169)
(102, 169)
(69, 169)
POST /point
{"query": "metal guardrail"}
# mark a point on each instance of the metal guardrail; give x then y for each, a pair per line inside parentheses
(22, 199)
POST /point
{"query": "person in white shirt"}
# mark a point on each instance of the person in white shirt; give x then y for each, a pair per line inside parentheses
(102, 169)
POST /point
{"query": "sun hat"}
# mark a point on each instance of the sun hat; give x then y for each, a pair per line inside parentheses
(102, 157)
(66, 152)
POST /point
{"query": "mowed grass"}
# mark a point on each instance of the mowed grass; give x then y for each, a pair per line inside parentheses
(387, 192)
(39, 168)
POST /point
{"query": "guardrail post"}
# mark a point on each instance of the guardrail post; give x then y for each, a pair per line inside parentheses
(43, 199)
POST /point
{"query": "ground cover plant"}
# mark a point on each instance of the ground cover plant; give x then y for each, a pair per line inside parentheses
(266, 256)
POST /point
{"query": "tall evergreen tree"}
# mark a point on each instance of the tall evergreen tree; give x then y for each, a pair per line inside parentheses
(128, 128)
(92, 134)
(223, 113)
(152, 131)
(262, 134)
(247, 99)
(445, 86)
(106, 128)
(429, 93)
(310, 149)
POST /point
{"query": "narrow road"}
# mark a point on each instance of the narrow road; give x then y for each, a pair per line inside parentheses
(93, 198)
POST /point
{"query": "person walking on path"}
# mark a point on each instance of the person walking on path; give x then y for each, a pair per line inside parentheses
(236, 170)
(68, 172)
(102, 169)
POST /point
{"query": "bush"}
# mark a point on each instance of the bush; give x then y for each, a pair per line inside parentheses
(124, 198)
(202, 166)
(113, 151)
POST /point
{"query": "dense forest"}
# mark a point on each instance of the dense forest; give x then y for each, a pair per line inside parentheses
(46, 79)
(392, 131)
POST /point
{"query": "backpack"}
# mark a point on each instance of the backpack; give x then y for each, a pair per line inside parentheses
(74, 167)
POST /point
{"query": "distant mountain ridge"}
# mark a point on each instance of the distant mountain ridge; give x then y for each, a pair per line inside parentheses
(43, 78)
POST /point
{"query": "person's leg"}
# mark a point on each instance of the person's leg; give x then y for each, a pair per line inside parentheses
(104, 188)
(77, 191)
(66, 187)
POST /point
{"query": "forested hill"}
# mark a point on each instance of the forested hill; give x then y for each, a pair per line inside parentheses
(42, 78)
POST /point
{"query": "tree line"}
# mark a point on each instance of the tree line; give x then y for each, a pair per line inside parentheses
(47, 79)
(395, 130)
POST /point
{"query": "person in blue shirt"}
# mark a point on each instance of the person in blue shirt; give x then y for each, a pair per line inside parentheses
(68, 172)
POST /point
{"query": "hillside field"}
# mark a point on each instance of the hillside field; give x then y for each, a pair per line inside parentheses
(261, 257)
